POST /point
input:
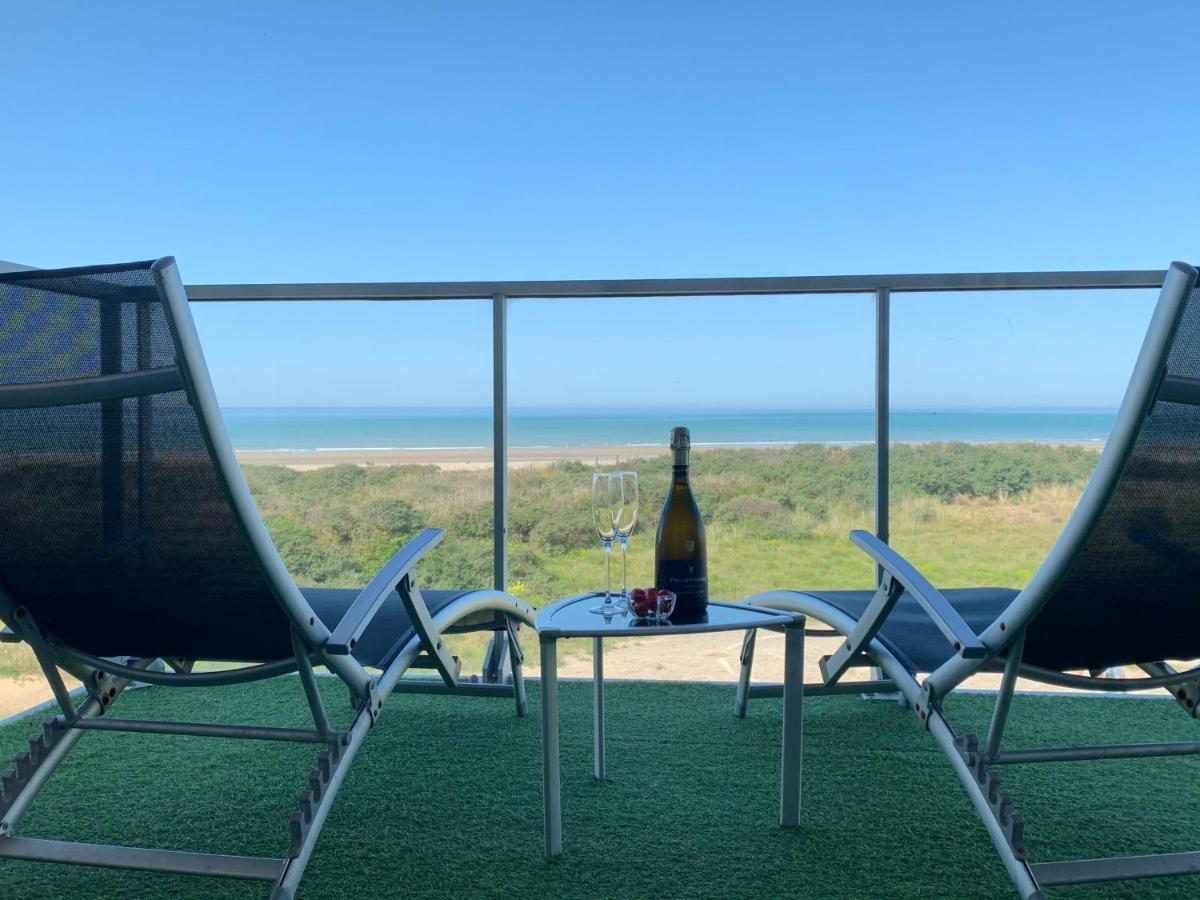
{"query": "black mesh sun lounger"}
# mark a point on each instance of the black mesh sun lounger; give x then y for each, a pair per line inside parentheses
(1119, 588)
(130, 549)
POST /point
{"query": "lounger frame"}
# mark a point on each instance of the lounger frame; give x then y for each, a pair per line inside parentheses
(313, 644)
(999, 647)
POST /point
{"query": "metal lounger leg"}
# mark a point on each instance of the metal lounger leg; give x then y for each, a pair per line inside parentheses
(517, 657)
(743, 689)
(495, 660)
(551, 786)
(311, 692)
(1008, 685)
(793, 723)
(31, 631)
(20, 785)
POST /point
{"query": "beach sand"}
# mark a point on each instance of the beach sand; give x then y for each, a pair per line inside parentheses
(448, 459)
(474, 459)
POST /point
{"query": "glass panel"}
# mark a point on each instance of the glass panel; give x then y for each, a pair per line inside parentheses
(358, 424)
(777, 393)
(1001, 403)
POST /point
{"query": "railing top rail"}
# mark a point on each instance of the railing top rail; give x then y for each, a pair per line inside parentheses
(677, 287)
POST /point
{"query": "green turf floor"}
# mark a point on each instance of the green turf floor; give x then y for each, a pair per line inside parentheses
(445, 799)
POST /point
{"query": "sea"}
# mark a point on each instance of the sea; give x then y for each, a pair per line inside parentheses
(357, 428)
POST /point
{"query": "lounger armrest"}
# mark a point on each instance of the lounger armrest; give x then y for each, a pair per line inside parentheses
(966, 643)
(8, 636)
(370, 598)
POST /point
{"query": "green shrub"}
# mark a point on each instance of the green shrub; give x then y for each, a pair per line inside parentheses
(309, 559)
(337, 525)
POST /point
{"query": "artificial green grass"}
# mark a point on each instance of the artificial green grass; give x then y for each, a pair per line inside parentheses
(444, 800)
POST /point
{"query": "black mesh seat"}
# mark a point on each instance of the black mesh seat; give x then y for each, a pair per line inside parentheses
(909, 632)
(1113, 633)
(260, 638)
(388, 632)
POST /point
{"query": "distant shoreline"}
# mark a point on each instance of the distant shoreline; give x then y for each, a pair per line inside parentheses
(481, 458)
(447, 459)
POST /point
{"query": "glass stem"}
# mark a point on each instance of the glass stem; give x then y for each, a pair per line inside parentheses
(607, 572)
(624, 566)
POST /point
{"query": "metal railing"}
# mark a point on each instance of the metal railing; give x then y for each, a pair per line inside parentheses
(881, 287)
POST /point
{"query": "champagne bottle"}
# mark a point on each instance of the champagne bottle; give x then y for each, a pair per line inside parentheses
(680, 563)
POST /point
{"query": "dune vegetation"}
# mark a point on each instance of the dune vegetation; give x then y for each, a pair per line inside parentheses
(774, 517)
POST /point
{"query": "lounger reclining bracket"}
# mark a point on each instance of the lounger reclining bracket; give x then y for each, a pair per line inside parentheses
(26, 763)
(301, 821)
(32, 768)
(1001, 803)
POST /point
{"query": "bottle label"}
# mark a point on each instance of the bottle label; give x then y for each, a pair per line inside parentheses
(688, 578)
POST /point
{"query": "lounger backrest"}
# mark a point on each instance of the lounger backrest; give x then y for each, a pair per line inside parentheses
(1131, 590)
(116, 529)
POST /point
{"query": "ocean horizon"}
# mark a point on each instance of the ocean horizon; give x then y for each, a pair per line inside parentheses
(341, 429)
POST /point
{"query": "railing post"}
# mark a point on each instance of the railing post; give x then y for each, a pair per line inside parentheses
(883, 403)
(495, 661)
(883, 315)
(500, 441)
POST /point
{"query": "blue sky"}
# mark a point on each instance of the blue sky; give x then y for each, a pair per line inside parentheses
(403, 141)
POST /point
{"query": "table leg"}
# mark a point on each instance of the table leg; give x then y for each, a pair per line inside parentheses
(551, 785)
(598, 708)
(793, 723)
(743, 688)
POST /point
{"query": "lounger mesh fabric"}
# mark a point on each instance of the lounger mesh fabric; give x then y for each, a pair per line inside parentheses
(127, 544)
(126, 537)
(910, 634)
(1133, 593)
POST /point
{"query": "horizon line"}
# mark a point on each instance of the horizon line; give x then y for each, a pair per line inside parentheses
(1079, 409)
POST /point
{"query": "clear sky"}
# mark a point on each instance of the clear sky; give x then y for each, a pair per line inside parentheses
(304, 141)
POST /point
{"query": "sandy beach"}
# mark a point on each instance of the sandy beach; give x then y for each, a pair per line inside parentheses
(448, 459)
(476, 458)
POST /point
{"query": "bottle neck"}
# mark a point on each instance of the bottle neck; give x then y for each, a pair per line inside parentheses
(679, 469)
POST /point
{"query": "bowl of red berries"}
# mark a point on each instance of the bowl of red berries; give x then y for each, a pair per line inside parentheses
(651, 604)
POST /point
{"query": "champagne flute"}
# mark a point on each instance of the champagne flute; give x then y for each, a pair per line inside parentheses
(606, 501)
(626, 520)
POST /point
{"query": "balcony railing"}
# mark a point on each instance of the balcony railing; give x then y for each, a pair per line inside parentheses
(881, 287)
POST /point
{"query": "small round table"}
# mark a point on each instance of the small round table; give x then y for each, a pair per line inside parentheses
(572, 617)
